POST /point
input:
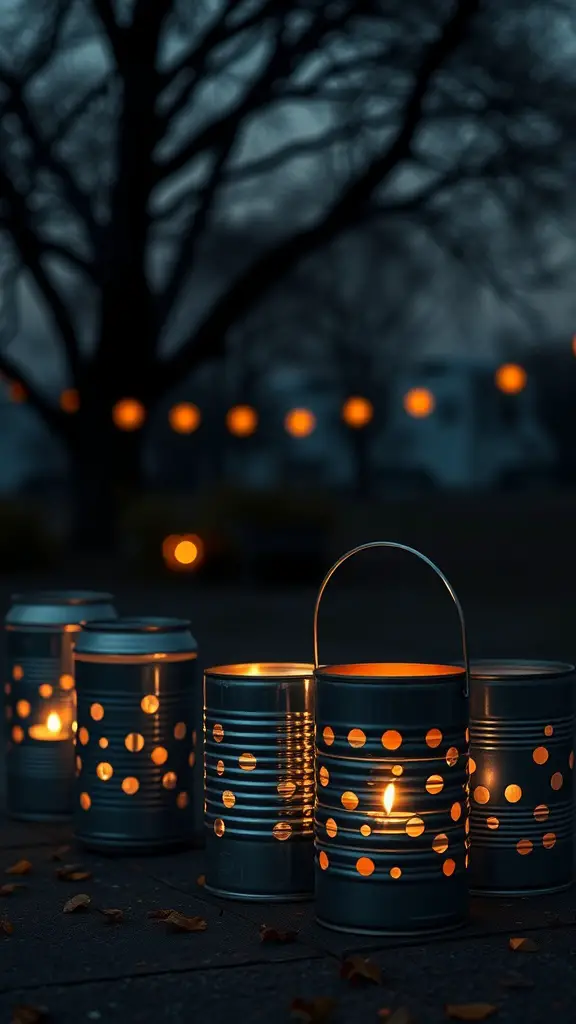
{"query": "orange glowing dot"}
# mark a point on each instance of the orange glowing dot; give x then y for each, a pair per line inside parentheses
(228, 798)
(83, 736)
(481, 795)
(159, 755)
(397, 770)
(548, 730)
(191, 758)
(128, 414)
(467, 736)
(169, 780)
(134, 742)
(395, 873)
(571, 759)
(104, 771)
(219, 827)
(513, 793)
(66, 682)
(182, 801)
(391, 739)
(349, 800)
(357, 412)
(97, 712)
(493, 823)
(17, 734)
(45, 690)
(70, 400)
(323, 860)
(452, 756)
(282, 830)
(541, 812)
(365, 830)
(548, 840)
(456, 811)
(186, 552)
(85, 802)
(78, 765)
(433, 738)
(103, 742)
(300, 422)
(130, 785)
(471, 765)
(419, 402)
(328, 735)
(331, 827)
(414, 827)
(180, 730)
(150, 704)
(17, 672)
(247, 762)
(220, 767)
(524, 846)
(184, 418)
(23, 708)
(540, 755)
(440, 843)
(435, 784)
(286, 788)
(356, 738)
(242, 420)
(449, 867)
(218, 732)
(557, 781)
(365, 866)
(323, 776)
(511, 378)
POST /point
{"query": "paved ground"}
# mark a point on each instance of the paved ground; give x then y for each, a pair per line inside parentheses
(82, 968)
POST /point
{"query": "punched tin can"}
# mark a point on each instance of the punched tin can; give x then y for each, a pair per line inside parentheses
(521, 777)
(259, 781)
(392, 805)
(40, 699)
(136, 741)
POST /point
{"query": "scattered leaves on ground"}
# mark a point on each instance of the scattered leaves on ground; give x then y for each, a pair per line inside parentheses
(313, 1011)
(515, 980)
(21, 867)
(6, 926)
(80, 902)
(201, 880)
(73, 873)
(30, 1015)
(178, 922)
(112, 914)
(60, 853)
(470, 1011)
(357, 970)
(160, 915)
(10, 888)
(523, 945)
(276, 936)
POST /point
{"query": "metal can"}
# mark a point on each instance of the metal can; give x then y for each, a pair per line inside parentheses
(135, 745)
(521, 777)
(392, 810)
(40, 699)
(259, 781)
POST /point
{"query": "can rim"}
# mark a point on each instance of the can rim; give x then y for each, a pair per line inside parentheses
(391, 670)
(137, 624)
(265, 670)
(62, 597)
(518, 670)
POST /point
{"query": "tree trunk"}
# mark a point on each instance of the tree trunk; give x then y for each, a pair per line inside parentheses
(106, 476)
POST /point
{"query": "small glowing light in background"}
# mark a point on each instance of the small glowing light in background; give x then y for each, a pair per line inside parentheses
(511, 379)
(16, 391)
(183, 553)
(574, 345)
(70, 400)
(241, 420)
(184, 418)
(128, 414)
(419, 402)
(300, 422)
(357, 412)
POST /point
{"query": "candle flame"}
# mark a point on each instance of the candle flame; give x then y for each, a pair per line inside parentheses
(388, 798)
(54, 722)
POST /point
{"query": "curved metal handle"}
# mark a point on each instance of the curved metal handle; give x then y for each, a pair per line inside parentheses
(423, 558)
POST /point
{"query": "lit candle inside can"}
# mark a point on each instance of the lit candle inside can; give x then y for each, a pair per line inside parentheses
(50, 730)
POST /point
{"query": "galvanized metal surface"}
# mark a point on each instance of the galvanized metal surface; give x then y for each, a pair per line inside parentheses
(39, 699)
(391, 812)
(259, 781)
(136, 743)
(522, 761)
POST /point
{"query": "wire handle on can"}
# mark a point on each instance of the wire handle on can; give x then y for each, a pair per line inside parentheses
(423, 558)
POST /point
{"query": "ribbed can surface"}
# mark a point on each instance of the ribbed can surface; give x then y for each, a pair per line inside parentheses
(136, 742)
(40, 700)
(521, 777)
(259, 781)
(391, 814)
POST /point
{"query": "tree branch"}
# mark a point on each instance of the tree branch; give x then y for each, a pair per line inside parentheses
(209, 339)
(104, 11)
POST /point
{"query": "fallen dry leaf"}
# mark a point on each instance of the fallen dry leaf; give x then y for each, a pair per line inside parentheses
(160, 915)
(30, 1015)
(277, 936)
(357, 970)
(73, 873)
(112, 914)
(178, 922)
(515, 980)
(10, 888)
(6, 926)
(313, 1011)
(201, 880)
(60, 853)
(401, 1016)
(471, 1011)
(524, 945)
(21, 867)
(79, 902)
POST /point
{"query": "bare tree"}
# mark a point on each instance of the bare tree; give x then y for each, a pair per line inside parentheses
(130, 128)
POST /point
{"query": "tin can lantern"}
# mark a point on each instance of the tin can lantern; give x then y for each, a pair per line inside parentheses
(521, 769)
(40, 700)
(259, 781)
(135, 745)
(392, 811)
